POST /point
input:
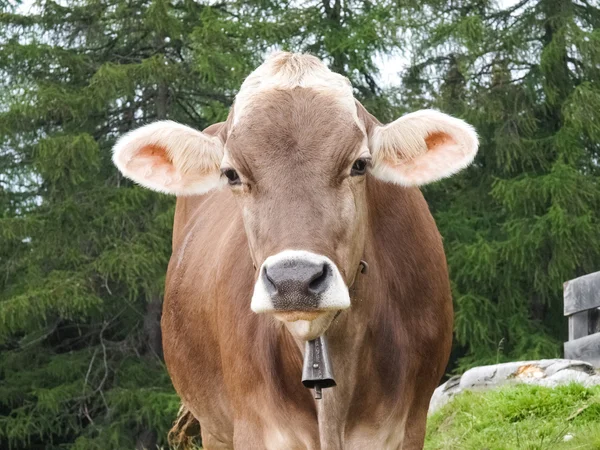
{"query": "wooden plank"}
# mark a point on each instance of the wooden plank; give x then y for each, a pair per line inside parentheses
(585, 349)
(582, 293)
(579, 325)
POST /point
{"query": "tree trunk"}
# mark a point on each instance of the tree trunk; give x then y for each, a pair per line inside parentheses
(152, 331)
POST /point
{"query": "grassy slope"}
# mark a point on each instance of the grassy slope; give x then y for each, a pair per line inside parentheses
(518, 417)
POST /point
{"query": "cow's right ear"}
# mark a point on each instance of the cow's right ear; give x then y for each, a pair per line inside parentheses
(171, 158)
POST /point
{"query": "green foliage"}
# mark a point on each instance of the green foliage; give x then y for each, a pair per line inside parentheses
(524, 218)
(83, 252)
(522, 416)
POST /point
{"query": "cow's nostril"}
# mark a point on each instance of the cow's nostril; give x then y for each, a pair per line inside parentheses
(269, 283)
(318, 283)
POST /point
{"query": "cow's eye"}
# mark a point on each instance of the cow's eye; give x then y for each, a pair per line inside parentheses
(359, 167)
(232, 176)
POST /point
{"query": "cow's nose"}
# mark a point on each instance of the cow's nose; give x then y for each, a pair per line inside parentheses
(293, 279)
(297, 281)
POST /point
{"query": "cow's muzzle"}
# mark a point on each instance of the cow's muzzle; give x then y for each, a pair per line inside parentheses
(299, 285)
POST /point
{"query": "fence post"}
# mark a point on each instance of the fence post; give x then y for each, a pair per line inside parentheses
(581, 306)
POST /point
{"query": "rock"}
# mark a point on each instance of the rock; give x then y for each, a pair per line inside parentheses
(565, 377)
(545, 372)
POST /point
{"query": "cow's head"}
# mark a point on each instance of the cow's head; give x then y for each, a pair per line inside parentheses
(296, 152)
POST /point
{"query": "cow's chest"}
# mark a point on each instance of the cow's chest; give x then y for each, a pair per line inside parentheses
(262, 425)
(284, 426)
(387, 436)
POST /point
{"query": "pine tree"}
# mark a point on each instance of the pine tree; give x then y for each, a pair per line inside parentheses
(83, 252)
(524, 218)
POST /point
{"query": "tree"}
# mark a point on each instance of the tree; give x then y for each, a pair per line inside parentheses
(83, 252)
(524, 218)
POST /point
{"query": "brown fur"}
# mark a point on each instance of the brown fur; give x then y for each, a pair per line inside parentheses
(238, 373)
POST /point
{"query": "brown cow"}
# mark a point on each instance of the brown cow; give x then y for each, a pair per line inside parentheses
(316, 184)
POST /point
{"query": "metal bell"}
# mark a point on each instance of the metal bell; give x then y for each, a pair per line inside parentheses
(317, 372)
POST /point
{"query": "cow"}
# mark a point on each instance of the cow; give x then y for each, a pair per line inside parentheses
(276, 208)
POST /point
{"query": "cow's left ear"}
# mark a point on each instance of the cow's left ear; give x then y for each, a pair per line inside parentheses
(421, 147)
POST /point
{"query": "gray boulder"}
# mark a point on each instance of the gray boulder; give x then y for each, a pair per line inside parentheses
(545, 372)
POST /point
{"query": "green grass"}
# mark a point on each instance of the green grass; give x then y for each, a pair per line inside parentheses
(518, 417)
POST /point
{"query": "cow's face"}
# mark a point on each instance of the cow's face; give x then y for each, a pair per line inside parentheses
(297, 156)
(297, 162)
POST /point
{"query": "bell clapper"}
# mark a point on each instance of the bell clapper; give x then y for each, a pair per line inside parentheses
(318, 394)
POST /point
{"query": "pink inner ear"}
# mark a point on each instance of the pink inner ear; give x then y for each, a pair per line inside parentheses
(153, 156)
(436, 140)
(155, 153)
(442, 150)
(151, 162)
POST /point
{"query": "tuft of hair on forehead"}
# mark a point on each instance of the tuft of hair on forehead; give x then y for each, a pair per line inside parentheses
(283, 70)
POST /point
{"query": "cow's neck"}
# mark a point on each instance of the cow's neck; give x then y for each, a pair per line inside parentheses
(346, 337)
(346, 350)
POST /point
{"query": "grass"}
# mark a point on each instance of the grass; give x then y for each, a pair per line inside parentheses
(518, 417)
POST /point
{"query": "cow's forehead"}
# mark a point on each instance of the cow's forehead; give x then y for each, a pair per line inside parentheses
(286, 71)
(298, 124)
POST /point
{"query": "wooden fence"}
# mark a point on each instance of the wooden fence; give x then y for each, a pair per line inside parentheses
(582, 307)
